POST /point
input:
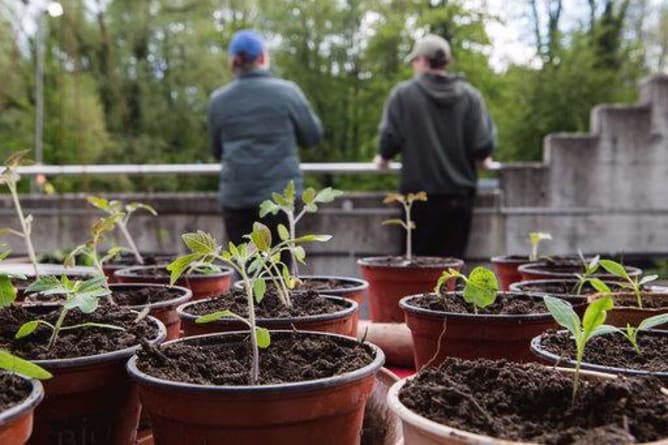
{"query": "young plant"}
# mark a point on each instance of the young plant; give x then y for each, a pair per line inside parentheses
(10, 362)
(535, 238)
(590, 268)
(10, 178)
(407, 223)
(287, 204)
(7, 288)
(481, 286)
(251, 261)
(82, 295)
(634, 284)
(581, 331)
(631, 333)
(115, 208)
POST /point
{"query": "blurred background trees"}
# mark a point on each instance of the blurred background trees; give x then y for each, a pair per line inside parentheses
(127, 81)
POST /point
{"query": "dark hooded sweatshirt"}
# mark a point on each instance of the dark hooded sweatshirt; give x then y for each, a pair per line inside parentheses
(440, 126)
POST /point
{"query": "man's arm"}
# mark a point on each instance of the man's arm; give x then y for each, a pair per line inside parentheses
(391, 140)
(308, 128)
(215, 142)
(481, 129)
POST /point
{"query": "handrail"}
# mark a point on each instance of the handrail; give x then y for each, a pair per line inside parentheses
(346, 168)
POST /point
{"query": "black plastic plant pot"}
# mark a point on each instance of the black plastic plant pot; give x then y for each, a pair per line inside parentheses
(342, 322)
(90, 397)
(546, 271)
(307, 412)
(553, 359)
(17, 421)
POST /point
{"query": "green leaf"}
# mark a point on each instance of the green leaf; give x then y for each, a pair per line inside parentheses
(259, 289)
(180, 265)
(27, 329)
(593, 264)
(283, 233)
(312, 238)
(261, 236)
(263, 337)
(308, 196)
(394, 222)
(215, 316)
(134, 206)
(268, 207)
(595, 314)
(289, 192)
(600, 286)
(280, 200)
(300, 254)
(536, 237)
(93, 325)
(656, 320)
(614, 268)
(7, 291)
(18, 365)
(100, 203)
(327, 194)
(563, 314)
(200, 242)
(93, 284)
(604, 329)
(445, 276)
(113, 253)
(648, 279)
(86, 303)
(45, 283)
(21, 157)
(5, 254)
(481, 287)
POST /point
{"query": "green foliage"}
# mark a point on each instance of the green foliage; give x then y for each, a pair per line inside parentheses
(634, 284)
(481, 286)
(631, 333)
(406, 202)
(12, 363)
(590, 268)
(582, 331)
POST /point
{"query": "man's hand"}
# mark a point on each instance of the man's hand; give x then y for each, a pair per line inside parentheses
(381, 163)
(489, 164)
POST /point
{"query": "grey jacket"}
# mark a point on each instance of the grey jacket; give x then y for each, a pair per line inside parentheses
(441, 127)
(256, 124)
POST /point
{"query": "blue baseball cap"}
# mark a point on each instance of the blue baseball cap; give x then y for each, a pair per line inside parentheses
(248, 42)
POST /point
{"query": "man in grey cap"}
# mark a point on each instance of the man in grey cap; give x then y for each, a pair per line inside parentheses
(441, 127)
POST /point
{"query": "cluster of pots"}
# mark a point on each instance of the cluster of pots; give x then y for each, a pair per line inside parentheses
(186, 413)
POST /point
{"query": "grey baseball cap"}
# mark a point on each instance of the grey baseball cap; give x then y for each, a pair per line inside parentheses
(431, 46)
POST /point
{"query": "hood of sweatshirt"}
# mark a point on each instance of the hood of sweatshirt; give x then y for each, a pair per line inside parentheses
(443, 89)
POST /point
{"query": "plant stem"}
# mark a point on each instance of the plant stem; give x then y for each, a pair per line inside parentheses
(124, 230)
(255, 360)
(24, 227)
(576, 379)
(636, 290)
(56, 329)
(292, 223)
(409, 232)
(280, 286)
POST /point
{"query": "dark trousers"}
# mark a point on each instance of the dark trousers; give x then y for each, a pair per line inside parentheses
(239, 222)
(442, 225)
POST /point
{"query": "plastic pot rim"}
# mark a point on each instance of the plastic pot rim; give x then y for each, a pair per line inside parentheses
(130, 272)
(187, 295)
(360, 284)
(351, 309)
(36, 395)
(447, 262)
(542, 268)
(284, 388)
(405, 305)
(538, 350)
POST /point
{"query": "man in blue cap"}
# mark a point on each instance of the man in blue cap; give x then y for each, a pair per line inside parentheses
(256, 125)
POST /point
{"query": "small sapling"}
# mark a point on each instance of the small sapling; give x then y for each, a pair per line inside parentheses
(590, 268)
(480, 289)
(583, 330)
(631, 333)
(407, 223)
(634, 284)
(535, 239)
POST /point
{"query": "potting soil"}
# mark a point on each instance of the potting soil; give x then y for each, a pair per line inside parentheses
(510, 304)
(137, 296)
(13, 390)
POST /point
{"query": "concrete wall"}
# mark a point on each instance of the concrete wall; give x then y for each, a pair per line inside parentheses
(604, 191)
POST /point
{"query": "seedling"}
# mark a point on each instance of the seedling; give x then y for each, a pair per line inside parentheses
(251, 260)
(535, 239)
(407, 223)
(82, 295)
(582, 331)
(481, 286)
(10, 178)
(10, 362)
(634, 284)
(631, 333)
(7, 288)
(115, 208)
(286, 203)
(590, 268)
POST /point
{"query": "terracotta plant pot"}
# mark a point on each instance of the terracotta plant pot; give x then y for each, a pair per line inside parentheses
(419, 430)
(165, 311)
(625, 310)
(506, 266)
(545, 271)
(129, 261)
(553, 359)
(202, 286)
(323, 411)
(388, 284)
(342, 322)
(16, 422)
(89, 400)
(472, 336)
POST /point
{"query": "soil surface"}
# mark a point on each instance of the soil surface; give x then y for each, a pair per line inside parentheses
(291, 357)
(614, 350)
(138, 296)
(401, 261)
(78, 342)
(573, 268)
(324, 284)
(649, 301)
(566, 288)
(505, 304)
(514, 258)
(303, 304)
(13, 390)
(162, 272)
(526, 402)
(128, 259)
